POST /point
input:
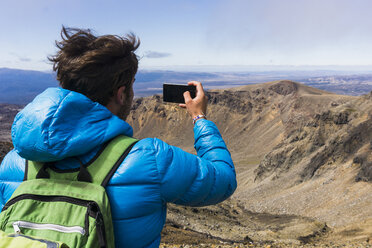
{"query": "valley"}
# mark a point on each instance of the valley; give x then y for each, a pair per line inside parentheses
(298, 151)
(303, 158)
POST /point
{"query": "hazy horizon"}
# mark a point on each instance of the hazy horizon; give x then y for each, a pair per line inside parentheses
(21, 86)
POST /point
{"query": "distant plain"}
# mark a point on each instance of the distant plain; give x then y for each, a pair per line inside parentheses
(21, 86)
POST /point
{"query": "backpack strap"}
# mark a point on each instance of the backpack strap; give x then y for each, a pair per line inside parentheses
(98, 171)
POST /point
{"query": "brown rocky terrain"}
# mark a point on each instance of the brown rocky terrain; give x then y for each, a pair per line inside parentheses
(303, 159)
(300, 153)
(7, 114)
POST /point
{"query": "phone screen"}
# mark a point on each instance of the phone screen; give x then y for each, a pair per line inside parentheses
(174, 92)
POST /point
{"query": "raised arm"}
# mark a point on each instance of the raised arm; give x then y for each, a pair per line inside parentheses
(205, 179)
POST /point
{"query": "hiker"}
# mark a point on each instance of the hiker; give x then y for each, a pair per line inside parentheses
(70, 125)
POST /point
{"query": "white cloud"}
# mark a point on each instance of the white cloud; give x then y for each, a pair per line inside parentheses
(156, 55)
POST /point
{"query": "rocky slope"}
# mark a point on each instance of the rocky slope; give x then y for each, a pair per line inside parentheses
(297, 150)
(303, 158)
(7, 114)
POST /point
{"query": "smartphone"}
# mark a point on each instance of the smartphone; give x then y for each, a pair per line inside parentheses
(174, 92)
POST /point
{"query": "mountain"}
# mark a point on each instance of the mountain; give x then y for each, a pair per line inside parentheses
(21, 86)
(303, 158)
(298, 150)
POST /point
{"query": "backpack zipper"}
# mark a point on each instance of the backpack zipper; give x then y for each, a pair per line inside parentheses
(92, 211)
(48, 198)
(54, 227)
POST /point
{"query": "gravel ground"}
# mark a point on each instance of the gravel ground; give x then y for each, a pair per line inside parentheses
(179, 237)
(329, 245)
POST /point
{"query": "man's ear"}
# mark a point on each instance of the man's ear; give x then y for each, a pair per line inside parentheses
(120, 95)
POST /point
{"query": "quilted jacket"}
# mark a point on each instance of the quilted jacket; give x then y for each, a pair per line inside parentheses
(59, 124)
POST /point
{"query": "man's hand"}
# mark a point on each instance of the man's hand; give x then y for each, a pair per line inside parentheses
(198, 105)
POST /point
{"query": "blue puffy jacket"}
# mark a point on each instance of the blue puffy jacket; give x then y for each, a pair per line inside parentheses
(60, 124)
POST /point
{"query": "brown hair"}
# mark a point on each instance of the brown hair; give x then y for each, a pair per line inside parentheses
(95, 66)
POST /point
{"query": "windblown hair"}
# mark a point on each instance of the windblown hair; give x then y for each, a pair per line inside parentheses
(95, 66)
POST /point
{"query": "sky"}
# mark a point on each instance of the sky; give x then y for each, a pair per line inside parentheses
(196, 33)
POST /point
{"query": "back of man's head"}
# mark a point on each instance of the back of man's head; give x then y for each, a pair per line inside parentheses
(95, 66)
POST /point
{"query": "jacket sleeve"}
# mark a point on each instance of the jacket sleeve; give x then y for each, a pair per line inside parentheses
(201, 180)
(11, 175)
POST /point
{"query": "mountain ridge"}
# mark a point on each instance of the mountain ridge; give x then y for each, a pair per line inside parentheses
(297, 150)
(284, 137)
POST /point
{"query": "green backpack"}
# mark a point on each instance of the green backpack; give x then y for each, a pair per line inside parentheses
(67, 206)
(18, 240)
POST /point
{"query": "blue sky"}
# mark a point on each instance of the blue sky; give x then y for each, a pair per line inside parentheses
(181, 33)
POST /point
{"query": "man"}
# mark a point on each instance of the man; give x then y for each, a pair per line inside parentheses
(61, 124)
